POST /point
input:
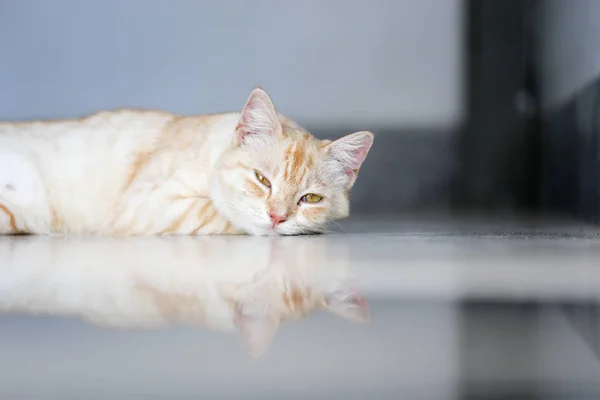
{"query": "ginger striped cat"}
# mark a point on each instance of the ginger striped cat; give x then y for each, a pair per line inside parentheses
(131, 172)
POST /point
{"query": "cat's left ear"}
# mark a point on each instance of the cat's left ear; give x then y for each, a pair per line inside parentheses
(256, 327)
(350, 151)
(259, 117)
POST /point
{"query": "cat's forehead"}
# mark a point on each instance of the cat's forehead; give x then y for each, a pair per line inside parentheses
(300, 140)
(299, 154)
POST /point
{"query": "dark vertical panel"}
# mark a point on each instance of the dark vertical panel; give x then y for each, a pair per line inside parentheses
(501, 144)
(571, 146)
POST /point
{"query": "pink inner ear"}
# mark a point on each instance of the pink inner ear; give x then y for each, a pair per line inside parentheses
(246, 116)
(258, 117)
(351, 151)
(350, 172)
(245, 125)
(358, 155)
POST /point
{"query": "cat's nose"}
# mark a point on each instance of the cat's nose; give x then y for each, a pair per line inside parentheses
(277, 218)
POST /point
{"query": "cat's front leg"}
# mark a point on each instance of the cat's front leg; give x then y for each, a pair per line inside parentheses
(202, 218)
(171, 215)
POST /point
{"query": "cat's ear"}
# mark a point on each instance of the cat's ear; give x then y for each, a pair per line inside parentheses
(256, 327)
(349, 303)
(350, 151)
(258, 117)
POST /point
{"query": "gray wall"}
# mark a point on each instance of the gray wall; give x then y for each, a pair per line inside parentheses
(570, 53)
(569, 67)
(383, 62)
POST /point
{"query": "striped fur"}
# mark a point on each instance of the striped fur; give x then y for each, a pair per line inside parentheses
(133, 172)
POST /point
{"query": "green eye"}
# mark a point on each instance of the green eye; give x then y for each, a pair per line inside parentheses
(311, 198)
(262, 179)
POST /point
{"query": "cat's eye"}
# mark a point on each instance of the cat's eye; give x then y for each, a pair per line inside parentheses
(311, 198)
(261, 178)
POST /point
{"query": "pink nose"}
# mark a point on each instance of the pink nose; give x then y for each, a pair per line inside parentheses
(277, 219)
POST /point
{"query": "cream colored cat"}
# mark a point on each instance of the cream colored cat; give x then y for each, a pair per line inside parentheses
(145, 172)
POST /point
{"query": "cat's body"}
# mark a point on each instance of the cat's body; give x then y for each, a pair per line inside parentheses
(132, 172)
(145, 164)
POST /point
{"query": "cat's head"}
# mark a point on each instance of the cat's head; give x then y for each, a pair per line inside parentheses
(279, 179)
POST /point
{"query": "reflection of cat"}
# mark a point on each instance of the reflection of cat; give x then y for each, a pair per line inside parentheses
(143, 172)
(225, 283)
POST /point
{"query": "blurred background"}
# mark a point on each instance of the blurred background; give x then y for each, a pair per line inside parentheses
(396, 68)
(477, 105)
(481, 107)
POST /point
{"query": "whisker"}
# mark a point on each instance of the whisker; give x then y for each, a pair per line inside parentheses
(340, 226)
(242, 208)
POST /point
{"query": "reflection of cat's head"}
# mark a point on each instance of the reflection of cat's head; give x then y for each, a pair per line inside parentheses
(277, 178)
(252, 284)
(303, 275)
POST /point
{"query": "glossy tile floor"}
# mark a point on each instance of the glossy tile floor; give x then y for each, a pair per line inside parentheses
(380, 310)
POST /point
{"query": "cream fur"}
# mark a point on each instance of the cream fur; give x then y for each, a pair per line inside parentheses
(133, 172)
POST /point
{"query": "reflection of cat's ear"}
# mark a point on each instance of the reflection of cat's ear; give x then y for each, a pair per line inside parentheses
(351, 151)
(256, 328)
(258, 117)
(349, 303)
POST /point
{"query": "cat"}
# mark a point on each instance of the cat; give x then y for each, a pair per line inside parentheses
(223, 283)
(134, 172)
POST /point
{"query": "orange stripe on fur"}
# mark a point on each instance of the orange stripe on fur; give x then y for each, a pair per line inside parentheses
(177, 223)
(204, 221)
(140, 161)
(11, 217)
(254, 189)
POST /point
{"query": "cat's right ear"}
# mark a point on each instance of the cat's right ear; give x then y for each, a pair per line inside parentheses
(350, 151)
(258, 118)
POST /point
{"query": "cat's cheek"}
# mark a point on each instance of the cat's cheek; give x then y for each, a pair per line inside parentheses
(260, 230)
(256, 220)
(314, 214)
(339, 208)
(303, 225)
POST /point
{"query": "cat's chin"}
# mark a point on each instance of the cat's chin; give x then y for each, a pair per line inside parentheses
(270, 231)
(290, 231)
(258, 230)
